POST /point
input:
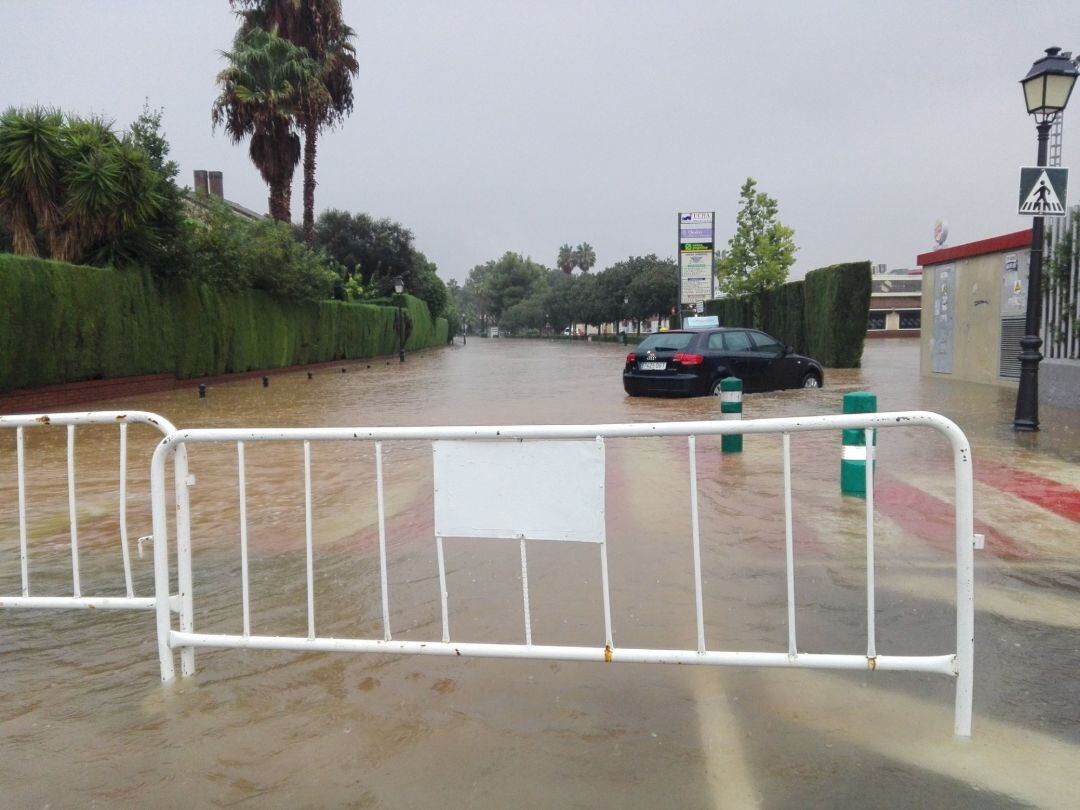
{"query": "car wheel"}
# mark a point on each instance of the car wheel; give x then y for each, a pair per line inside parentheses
(811, 380)
(715, 390)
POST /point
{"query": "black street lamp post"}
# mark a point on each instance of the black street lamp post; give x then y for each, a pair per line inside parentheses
(1046, 90)
(399, 289)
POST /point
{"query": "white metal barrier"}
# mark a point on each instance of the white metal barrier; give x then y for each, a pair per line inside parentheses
(129, 601)
(459, 513)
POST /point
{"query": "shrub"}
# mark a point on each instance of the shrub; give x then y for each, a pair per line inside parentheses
(823, 316)
(229, 253)
(837, 307)
(66, 323)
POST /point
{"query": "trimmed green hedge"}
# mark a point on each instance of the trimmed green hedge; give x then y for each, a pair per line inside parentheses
(62, 323)
(823, 316)
(837, 309)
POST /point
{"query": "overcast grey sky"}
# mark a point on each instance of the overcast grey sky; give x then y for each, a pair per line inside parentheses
(514, 125)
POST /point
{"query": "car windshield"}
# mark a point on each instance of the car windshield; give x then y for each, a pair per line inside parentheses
(666, 342)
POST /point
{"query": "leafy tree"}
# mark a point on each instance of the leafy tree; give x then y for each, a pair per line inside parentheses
(566, 260)
(263, 90)
(318, 27)
(654, 288)
(229, 252)
(524, 316)
(508, 281)
(453, 314)
(586, 304)
(613, 291)
(377, 249)
(762, 250)
(423, 282)
(584, 256)
(463, 303)
(557, 300)
(157, 244)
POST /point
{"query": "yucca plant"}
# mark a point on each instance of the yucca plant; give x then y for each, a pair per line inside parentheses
(70, 185)
(31, 164)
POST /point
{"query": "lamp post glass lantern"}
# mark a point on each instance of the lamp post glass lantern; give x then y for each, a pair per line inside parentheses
(1047, 88)
(399, 289)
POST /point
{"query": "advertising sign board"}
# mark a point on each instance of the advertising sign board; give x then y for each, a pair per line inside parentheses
(697, 239)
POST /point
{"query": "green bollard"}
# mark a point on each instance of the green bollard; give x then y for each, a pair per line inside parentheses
(853, 450)
(731, 408)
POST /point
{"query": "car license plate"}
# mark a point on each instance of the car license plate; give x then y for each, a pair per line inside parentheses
(653, 366)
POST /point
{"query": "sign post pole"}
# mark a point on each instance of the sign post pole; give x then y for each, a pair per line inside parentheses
(1042, 193)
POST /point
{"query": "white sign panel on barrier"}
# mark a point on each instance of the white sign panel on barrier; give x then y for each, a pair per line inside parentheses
(537, 490)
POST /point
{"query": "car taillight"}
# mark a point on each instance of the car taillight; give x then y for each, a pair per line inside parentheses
(630, 358)
(688, 359)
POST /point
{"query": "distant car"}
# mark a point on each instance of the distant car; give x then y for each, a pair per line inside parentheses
(693, 362)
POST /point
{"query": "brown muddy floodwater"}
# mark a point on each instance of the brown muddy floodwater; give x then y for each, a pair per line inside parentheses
(84, 720)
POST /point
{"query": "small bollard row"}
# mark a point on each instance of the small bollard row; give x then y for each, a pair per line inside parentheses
(853, 442)
(265, 382)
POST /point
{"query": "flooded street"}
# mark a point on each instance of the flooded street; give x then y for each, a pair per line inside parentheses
(85, 721)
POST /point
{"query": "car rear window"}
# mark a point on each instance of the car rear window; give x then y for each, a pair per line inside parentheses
(666, 341)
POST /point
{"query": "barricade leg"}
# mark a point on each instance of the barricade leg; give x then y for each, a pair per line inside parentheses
(183, 556)
(161, 561)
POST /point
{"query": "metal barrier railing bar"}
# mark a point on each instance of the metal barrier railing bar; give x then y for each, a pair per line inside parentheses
(559, 525)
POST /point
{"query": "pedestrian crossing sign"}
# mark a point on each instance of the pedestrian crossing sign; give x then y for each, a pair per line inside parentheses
(1043, 191)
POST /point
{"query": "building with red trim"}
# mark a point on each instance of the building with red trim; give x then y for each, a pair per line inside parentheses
(974, 298)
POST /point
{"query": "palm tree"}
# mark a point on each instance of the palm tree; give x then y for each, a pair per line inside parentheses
(262, 91)
(336, 58)
(584, 256)
(318, 27)
(566, 260)
(31, 162)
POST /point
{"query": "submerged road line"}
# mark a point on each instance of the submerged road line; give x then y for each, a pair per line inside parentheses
(727, 770)
(1035, 768)
(1054, 496)
(930, 518)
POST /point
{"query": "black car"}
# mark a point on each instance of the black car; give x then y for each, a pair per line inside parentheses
(692, 363)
